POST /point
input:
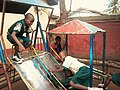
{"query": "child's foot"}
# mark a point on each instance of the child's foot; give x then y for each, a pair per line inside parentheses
(94, 88)
(16, 59)
(19, 56)
(100, 85)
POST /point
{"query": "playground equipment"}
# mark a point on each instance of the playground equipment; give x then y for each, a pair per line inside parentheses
(77, 27)
(20, 7)
(37, 61)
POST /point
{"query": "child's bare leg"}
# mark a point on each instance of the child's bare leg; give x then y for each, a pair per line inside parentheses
(28, 45)
(16, 50)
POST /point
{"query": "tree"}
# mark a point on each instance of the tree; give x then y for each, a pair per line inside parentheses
(63, 11)
(113, 7)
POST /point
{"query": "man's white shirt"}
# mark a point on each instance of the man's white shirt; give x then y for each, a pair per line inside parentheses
(72, 63)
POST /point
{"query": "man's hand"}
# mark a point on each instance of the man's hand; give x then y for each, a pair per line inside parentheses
(57, 66)
(19, 43)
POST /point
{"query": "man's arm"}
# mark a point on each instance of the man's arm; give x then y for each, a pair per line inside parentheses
(21, 47)
(59, 69)
(78, 86)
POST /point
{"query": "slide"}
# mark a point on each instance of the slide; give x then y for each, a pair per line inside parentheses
(33, 76)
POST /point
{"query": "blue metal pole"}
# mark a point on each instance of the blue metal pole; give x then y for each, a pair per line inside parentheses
(36, 28)
(91, 58)
(45, 45)
(4, 67)
(54, 59)
(44, 67)
(39, 25)
(104, 51)
(35, 35)
(2, 55)
(66, 43)
(38, 67)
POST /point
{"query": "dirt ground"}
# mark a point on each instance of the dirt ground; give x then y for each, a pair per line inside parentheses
(19, 85)
(111, 86)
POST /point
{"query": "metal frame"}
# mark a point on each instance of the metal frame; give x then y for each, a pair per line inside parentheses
(43, 38)
(91, 58)
(91, 55)
(1, 52)
(4, 67)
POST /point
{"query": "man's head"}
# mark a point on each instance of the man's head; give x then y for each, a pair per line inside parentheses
(58, 39)
(63, 54)
(29, 19)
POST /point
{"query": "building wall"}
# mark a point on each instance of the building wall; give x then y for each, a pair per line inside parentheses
(112, 38)
(80, 43)
(10, 18)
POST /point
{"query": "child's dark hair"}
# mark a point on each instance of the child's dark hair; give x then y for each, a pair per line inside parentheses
(58, 38)
(28, 15)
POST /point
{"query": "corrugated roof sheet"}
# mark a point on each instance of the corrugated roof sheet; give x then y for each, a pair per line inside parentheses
(21, 6)
(76, 27)
(41, 3)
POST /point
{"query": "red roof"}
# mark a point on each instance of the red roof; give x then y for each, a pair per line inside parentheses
(76, 27)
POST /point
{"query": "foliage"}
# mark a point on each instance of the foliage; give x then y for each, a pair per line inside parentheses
(113, 7)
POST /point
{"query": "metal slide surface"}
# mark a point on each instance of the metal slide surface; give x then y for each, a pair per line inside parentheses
(50, 62)
(32, 76)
